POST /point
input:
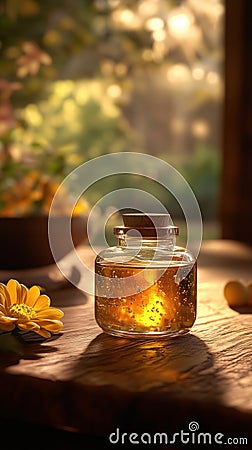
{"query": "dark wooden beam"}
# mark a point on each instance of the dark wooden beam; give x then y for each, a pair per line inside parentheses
(236, 182)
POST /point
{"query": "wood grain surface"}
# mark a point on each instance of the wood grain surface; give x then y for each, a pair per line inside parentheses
(84, 380)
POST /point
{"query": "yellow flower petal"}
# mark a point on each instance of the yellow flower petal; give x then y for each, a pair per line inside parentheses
(27, 309)
(28, 326)
(50, 313)
(12, 287)
(7, 326)
(21, 294)
(44, 333)
(32, 295)
(42, 302)
(7, 323)
(5, 319)
(2, 304)
(2, 288)
(51, 325)
(5, 294)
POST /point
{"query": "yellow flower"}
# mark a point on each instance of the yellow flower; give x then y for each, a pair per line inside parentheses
(28, 310)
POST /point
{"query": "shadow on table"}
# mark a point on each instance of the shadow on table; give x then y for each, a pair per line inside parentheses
(245, 309)
(24, 345)
(183, 365)
(157, 385)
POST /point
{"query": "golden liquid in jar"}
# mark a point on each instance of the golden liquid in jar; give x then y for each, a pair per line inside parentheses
(167, 306)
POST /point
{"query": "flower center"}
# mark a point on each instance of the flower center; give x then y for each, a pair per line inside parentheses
(21, 311)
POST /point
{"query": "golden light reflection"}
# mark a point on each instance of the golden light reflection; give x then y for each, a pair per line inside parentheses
(213, 9)
(154, 312)
(179, 73)
(159, 49)
(154, 24)
(69, 108)
(127, 18)
(147, 55)
(198, 73)
(114, 91)
(81, 95)
(179, 22)
(147, 8)
(213, 77)
(200, 129)
(63, 88)
(150, 309)
(159, 35)
(33, 116)
(16, 152)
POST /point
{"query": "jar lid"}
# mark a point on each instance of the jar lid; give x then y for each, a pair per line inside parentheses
(148, 225)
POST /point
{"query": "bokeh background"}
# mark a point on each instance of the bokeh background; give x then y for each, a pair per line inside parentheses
(85, 78)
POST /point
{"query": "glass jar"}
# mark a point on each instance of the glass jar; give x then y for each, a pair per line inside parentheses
(145, 287)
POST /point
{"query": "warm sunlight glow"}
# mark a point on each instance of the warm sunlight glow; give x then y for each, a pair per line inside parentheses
(147, 8)
(33, 116)
(127, 18)
(179, 22)
(69, 108)
(154, 311)
(213, 78)
(213, 9)
(198, 73)
(155, 23)
(114, 91)
(63, 88)
(200, 129)
(81, 95)
(179, 73)
(159, 35)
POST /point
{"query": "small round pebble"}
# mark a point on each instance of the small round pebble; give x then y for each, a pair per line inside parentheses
(235, 293)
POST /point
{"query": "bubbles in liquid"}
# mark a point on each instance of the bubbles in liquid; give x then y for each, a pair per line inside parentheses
(165, 306)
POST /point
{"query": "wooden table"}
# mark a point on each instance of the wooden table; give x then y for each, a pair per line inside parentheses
(89, 383)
